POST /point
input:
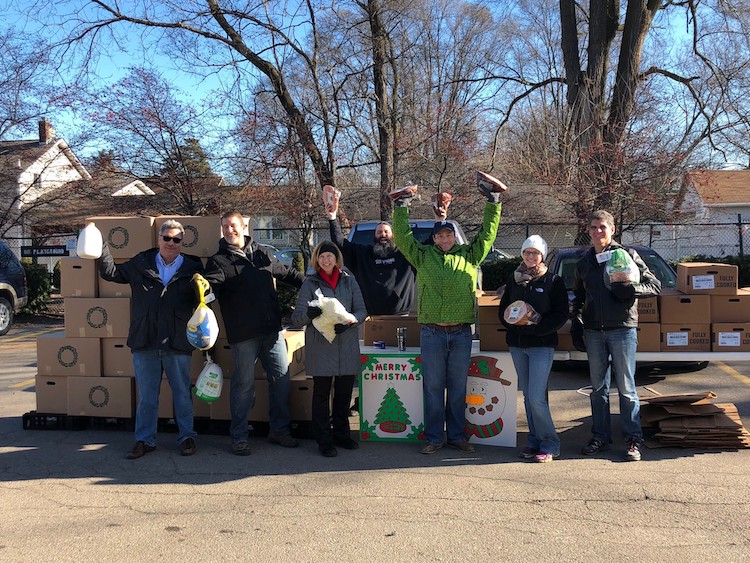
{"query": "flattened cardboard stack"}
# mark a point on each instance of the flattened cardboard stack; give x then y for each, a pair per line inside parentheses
(691, 420)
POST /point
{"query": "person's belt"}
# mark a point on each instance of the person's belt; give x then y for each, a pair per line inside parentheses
(447, 328)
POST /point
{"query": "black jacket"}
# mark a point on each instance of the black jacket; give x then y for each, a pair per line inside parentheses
(388, 284)
(596, 305)
(549, 298)
(158, 314)
(243, 281)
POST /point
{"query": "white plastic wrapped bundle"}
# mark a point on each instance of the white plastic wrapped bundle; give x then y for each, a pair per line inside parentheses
(333, 313)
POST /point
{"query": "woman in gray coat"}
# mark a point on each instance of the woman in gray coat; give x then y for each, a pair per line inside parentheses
(334, 363)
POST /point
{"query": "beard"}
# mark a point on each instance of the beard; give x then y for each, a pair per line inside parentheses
(383, 249)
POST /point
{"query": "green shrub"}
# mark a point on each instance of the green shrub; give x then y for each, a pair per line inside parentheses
(39, 287)
(495, 273)
(743, 265)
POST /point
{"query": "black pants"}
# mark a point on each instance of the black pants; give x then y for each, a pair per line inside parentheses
(321, 415)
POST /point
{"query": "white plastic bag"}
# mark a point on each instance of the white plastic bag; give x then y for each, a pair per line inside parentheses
(621, 268)
(210, 381)
(333, 313)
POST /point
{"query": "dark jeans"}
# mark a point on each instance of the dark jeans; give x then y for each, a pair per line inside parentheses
(321, 413)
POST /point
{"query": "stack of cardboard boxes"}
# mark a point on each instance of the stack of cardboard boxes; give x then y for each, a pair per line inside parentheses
(88, 370)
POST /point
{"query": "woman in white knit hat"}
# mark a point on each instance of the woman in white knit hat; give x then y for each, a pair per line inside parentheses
(533, 307)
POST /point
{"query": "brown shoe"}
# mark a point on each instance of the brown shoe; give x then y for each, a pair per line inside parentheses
(139, 450)
(464, 446)
(282, 440)
(188, 447)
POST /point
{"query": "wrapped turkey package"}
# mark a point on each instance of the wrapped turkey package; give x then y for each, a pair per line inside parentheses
(621, 268)
(333, 313)
(520, 313)
(210, 381)
(202, 329)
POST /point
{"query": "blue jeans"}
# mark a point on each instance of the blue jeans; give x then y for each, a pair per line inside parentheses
(271, 349)
(612, 352)
(533, 366)
(446, 357)
(148, 366)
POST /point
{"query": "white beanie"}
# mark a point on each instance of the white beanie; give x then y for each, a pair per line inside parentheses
(536, 242)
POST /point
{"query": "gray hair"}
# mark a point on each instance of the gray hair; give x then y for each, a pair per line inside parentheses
(170, 224)
(602, 215)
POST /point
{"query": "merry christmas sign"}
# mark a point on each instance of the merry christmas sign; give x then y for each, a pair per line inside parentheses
(390, 403)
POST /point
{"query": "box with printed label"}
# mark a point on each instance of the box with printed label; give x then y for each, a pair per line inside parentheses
(648, 309)
(126, 236)
(77, 277)
(117, 359)
(488, 309)
(702, 277)
(383, 328)
(57, 354)
(492, 337)
(686, 338)
(103, 317)
(202, 234)
(51, 394)
(731, 308)
(677, 308)
(730, 337)
(649, 337)
(100, 396)
(259, 413)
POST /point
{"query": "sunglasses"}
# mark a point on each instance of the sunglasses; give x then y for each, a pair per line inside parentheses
(176, 240)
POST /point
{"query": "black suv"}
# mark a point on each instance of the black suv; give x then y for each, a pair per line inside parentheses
(13, 295)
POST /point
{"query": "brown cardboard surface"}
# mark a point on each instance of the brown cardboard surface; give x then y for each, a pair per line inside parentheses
(383, 328)
(492, 337)
(648, 310)
(649, 337)
(103, 317)
(730, 337)
(112, 289)
(202, 234)
(60, 355)
(300, 397)
(126, 236)
(731, 308)
(100, 396)
(686, 337)
(117, 359)
(488, 309)
(697, 278)
(677, 308)
(78, 277)
(51, 394)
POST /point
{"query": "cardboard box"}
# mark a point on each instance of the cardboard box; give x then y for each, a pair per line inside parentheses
(492, 337)
(300, 397)
(648, 310)
(649, 337)
(677, 308)
(731, 308)
(126, 236)
(730, 337)
(78, 277)
(117, 359)
(697, 278)
(103, 317)
(259, 412)
(686, 338)
(112, 289)
(59, 355)
(51, 394)
(202, 234)
(488, 309)
(100, 396)
(383, 327)
(295, 347)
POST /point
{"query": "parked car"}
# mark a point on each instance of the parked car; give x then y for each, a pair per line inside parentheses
(13, 290)
(287, 255)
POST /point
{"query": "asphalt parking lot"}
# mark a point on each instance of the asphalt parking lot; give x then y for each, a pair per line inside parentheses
(71, 495)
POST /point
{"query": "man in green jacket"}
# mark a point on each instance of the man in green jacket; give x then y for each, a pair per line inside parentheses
(446, 308)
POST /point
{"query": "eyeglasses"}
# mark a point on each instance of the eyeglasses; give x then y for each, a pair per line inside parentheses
(531, 253)
(176, 240)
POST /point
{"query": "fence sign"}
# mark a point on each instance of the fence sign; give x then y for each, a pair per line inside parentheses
(40, 251)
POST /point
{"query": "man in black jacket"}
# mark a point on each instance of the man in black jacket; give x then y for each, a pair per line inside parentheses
(242, 276)
(162, 302)
(609, 314)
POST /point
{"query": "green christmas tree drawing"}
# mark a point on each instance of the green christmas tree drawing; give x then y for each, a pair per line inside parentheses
(392, 416)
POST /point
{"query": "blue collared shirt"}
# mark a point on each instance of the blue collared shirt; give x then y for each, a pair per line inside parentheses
(166, 271)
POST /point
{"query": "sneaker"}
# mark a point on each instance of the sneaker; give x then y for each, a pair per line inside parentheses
(346, 443)
(634, 450)
(463, 446)
(328, 451)
(139, 450)
(282, 439)
(545, 457)
(188, 447)
(528, 453)
(241, 448)
(431, 448)
(594, 446)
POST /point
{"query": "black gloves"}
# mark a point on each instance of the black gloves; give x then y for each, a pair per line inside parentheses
(486, 191)
(622, 291)
(576, 334)
(313, 312)
(338, 328)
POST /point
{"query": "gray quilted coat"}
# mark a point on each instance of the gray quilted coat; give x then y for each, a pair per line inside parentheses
(340, 357)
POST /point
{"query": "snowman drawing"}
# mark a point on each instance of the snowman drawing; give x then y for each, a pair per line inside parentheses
(485, 398)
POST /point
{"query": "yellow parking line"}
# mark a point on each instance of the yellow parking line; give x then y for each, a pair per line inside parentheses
(733, 372)
(26, 383)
